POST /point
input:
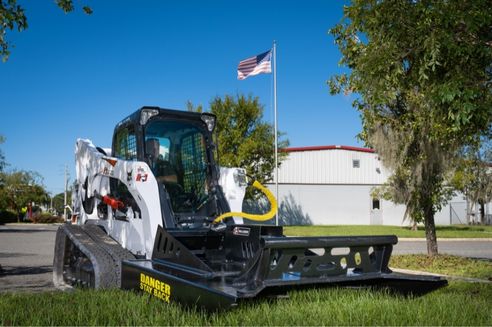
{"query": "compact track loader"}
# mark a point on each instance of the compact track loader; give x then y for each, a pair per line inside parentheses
(156, 214)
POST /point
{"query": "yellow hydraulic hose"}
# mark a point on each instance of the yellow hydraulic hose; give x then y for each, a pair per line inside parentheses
(266, 216)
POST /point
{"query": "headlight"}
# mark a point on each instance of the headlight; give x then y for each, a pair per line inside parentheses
(209, 120)
(146, 114)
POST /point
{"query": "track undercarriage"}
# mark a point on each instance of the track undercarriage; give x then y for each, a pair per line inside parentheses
(86, 256)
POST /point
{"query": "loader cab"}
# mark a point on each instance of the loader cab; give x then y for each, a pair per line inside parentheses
(179, 149)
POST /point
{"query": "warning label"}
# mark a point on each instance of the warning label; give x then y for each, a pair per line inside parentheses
(155, 287)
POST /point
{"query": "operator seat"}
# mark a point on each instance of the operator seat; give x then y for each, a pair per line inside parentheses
(152, 151)
(162, 169)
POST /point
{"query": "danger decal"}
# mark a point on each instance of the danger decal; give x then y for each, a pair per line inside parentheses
(155, 287)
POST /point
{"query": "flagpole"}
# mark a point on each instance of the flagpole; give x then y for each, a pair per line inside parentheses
(275, 118)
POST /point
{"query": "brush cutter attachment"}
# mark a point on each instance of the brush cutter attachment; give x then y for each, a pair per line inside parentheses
(218, 269)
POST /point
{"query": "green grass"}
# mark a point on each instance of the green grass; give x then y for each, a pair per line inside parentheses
(458, 304)
(455, 231)
(444, 264)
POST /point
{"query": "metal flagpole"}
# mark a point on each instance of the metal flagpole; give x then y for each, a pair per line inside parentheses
(275, 118)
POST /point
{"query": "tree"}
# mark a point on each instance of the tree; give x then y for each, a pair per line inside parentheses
(473, 177)
(422, 72)
(59, 201)
(21, 188)
(244, 140)
(3, 163)
(12, 16)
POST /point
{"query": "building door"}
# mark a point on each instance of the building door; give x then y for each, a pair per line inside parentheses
(376, 217)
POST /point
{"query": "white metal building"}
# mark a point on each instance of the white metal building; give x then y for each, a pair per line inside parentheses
(328, 185)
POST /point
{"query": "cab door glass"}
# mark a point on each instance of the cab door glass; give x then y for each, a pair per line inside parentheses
(126, 144)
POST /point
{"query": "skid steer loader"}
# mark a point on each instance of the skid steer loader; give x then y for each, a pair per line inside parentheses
(156, 214)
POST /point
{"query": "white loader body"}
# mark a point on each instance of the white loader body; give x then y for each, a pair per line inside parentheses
(94, 170)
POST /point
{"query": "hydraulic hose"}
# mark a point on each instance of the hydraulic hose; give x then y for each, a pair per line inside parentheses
(266, 216)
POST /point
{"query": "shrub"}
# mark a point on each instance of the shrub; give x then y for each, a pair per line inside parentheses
(7, 216)
(46, 218)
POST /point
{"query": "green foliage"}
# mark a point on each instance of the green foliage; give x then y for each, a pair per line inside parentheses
(244, 140)
(12, 17)
(458, 304)
(20, 188)
(7, 216)
(3, 163)
(58, 201)
(422, 70)
(473, 175)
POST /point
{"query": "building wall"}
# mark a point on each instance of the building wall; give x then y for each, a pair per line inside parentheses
(348, 205)
(334, 166)
(326, 204)
(321, 186)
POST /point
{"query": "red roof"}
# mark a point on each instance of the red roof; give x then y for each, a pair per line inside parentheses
(328, 147)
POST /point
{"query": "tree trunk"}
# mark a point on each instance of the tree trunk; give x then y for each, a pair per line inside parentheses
(430, 232)
(481, 211)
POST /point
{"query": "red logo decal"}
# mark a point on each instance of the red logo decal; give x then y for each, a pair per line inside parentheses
(141, 178)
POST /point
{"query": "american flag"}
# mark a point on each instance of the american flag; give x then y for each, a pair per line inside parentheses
(261, 63)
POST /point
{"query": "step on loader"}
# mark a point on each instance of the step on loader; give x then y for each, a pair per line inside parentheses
(156, 214)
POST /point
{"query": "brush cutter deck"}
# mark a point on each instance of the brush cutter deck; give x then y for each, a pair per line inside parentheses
(218, 269)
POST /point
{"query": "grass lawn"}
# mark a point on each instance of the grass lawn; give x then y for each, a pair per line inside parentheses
(454, 231)
(458, 304)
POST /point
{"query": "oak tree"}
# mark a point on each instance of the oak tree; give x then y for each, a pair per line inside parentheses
(13, 17)
(244, 139)
(422, 74)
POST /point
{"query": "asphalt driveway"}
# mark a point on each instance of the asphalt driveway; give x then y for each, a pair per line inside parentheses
(26, 257)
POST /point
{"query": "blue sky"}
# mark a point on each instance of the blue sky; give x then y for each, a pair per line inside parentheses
(74, 75)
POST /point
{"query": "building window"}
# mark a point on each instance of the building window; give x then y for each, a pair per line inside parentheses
(376, 204)
(356, 163)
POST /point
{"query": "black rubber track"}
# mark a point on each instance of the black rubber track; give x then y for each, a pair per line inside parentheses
(104, 253)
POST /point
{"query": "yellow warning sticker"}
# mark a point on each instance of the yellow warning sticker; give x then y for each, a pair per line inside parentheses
(155, 287)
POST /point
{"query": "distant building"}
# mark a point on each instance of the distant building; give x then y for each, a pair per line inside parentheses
(327, 185)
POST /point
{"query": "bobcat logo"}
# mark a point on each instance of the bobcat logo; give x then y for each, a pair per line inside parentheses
(141, 177)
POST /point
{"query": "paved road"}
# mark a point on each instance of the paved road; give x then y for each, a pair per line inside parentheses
(26, 255)
(470, 248)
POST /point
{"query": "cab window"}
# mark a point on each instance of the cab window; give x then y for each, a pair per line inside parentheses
(126, 144)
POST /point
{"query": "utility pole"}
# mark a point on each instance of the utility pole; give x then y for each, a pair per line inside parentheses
(65, 194)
